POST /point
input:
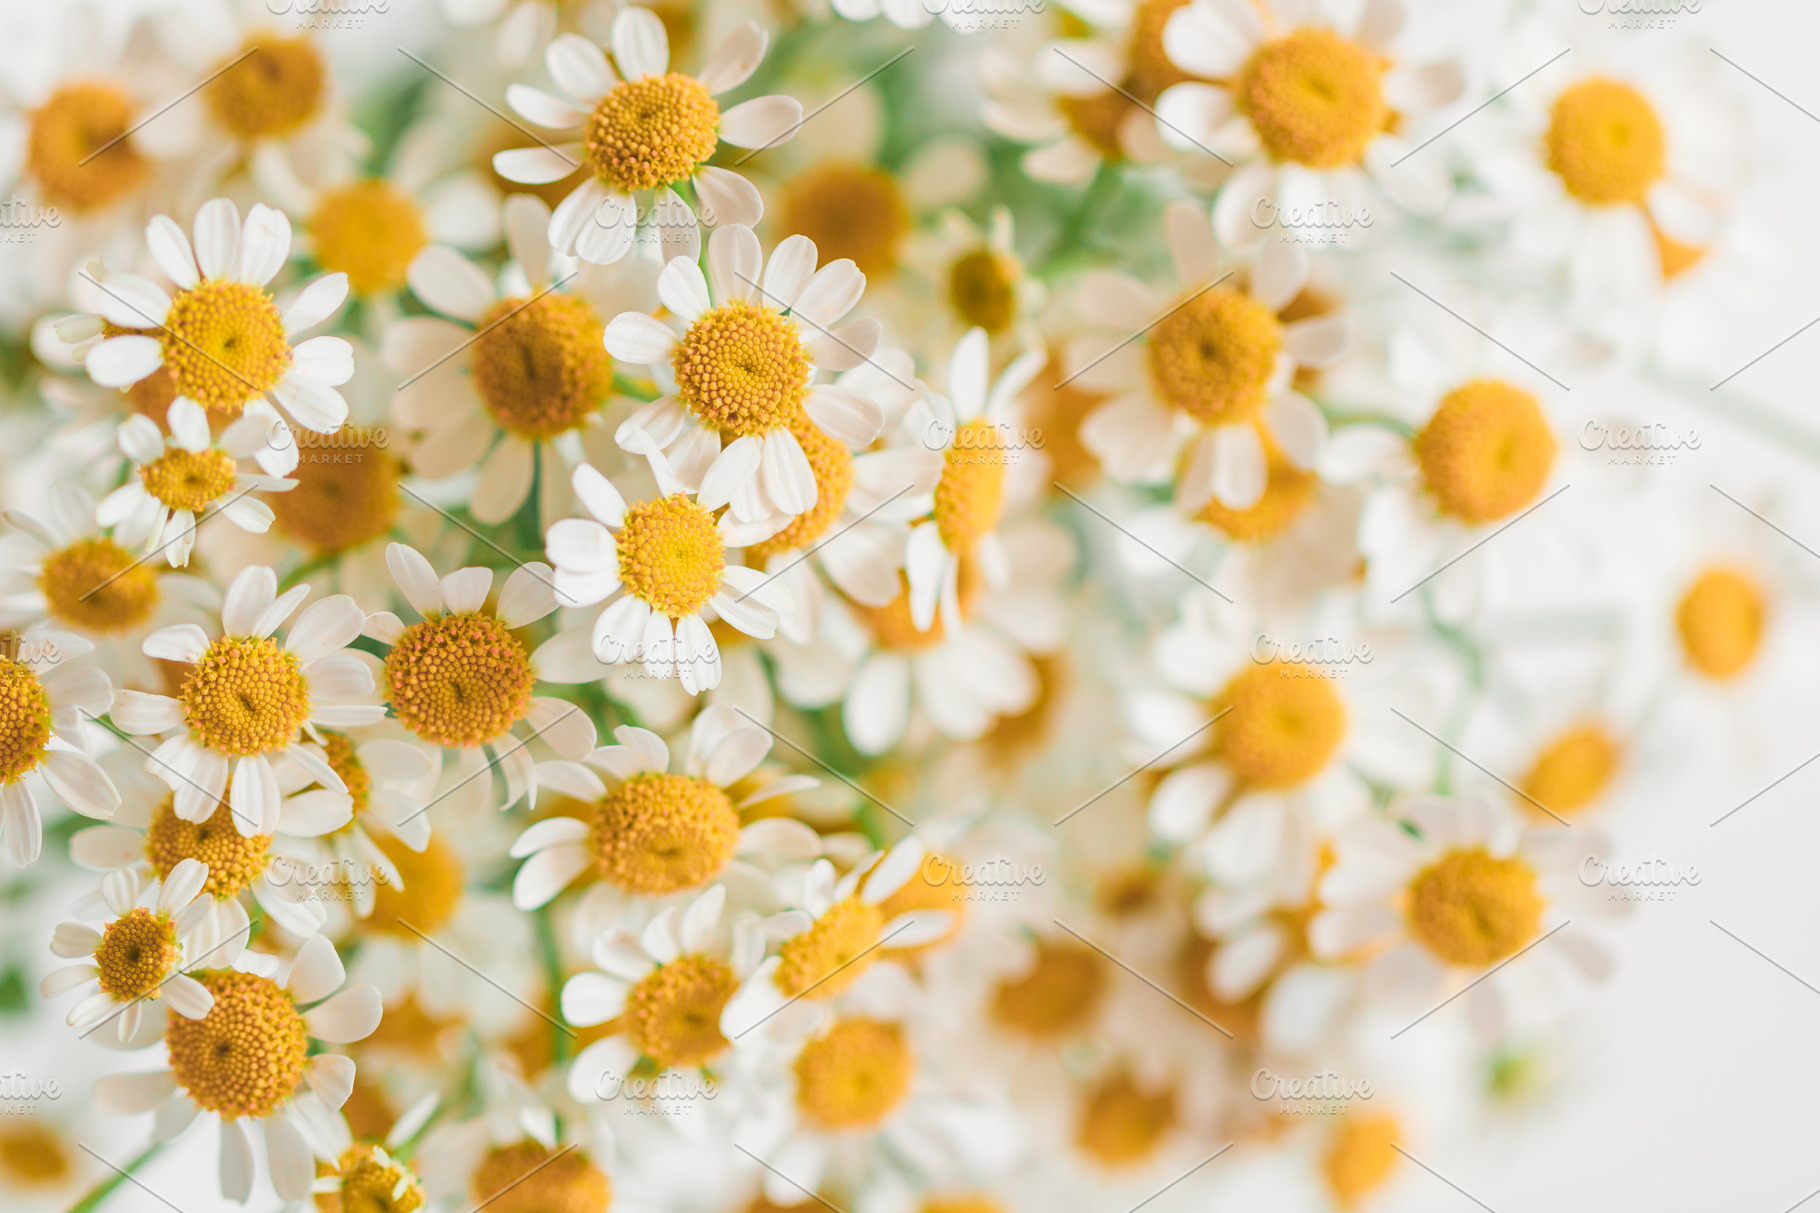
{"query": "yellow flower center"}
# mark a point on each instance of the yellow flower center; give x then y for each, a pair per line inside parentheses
(849, 210)
(1056, 997)
(1096, 118)
(1574, 769)
(652, 131)
(25, 721)
(673, 1013)
(1720, 621)
(152, 396)
(459, 680)
(541, 368)
(245, 1057)
(64, 147)
(829, 956)
(428, 891)
(1315, 98)
(189, 480)
(962, 1204)
(853, 1075)
(970, 496)
(741, 369)
(1213, 357)
(224, 342)
(523, 1178)
(671, 555)
(1487, 451)
(661, 833)
(32, 1155)
(832, 464)
(370, 231)
(1605, 142)
(245, 696)
(96, 586)
(233, 858)
(372, 1181)
(347, 492)
(1123, 1124)
(934, 887)
(1470, 908)
(982, 289)
(137, 950)
(1288, 492)
(1151, 69)
(1360, 1157)
(339, 750)
(1285, 724)
(274, 88)
(894, 628)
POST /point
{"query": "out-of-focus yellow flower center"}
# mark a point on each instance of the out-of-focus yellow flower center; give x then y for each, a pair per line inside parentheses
(459, 679)
(225, 344)
(523, 1178)
(1285, 724)
(370, 231)
(970, 496)
(245, 696)
(1359, 1157)
(1288, 492)
(245, 1057)
(540, 366)
(1214, 356)
(830, 956)
(234, 859)
(854, 1075)
(274, 88)
(671, 555)
(1472, 908)
(895, 628)
(372, 1181)
(428, 891)
(1720, 621)
(96, 586)
(673, 1013)
(25, 721)
(652, 131)
(832, 464)
(1605, 142)
(78, 149)
(982, 289)
(346, 495)
(189, 480)
(1315, 98)
(1057, 996)
(1123, 1124)
(137, 950)
(848, 210)
(741, 368)
(31, 1155)
(1574, 769)
(1487, 451)
(661, 833)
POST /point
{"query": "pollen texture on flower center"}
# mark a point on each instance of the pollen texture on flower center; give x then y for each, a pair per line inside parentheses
(673, 1013)
(96, 586)
(234, 859)
(1284, 724)
(245, 1057)
(1315, 98)
(1471, 908)
(137, 950)
(853, 1075)
(741, 369)
(189, 480)
(370, 231)
(652, 131)
(225, 344)
(540, 366)
(372, 1181)
(78, 148)
(459, 680)
(25, 720)
(245, 696)
(1605, 142)
(830, 956)
(1487, 451)
(671, 555)
(1214, 356)
(970, 495)
(662, 833)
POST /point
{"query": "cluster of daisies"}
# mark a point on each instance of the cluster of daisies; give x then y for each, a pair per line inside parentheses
(635, 610)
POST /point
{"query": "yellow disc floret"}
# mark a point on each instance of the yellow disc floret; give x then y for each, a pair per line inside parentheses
(428, 891)
(671, 555)
(189, 480)
(78, 148)
(224, 342)
(1605, 142)
(1487, 451)
(1288, 492)
(540, 366)
(137, 950)
(1720, 622)
(1213, 357)
(274, 87)
(245, 1057)
(652, 131)
(459, 679)
(1359, 1158)
(525, 1178)
(853, 1075)
(347, 493)
(1057, 996)
(849, 210)
(1123, 1124)
(370, 231)
(371, 1181)
(96, 586)
(660, 833)
(245, 696)
(673, 1013)
(25, 720)
(982, 289)
(32, 1155)
(832, 464)
(1315, 98)
(1472, 908)
(1284, 724)
(741, 369)
(970, 496)
(829, 956)
(234, 859)
(1574, 769)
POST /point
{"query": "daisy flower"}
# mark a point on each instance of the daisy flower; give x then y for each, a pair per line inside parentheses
(656, 831)
(248, 1061)
(46, 700)
(459, 678)
(221, 338)
(504, 375)
(977, 274)
(744, 366)
(246, 697)
(1462, 889)
(177, 480)
(1311, 115)
(1211, 379)
(643, 130)
(668, 555)
(139, 955)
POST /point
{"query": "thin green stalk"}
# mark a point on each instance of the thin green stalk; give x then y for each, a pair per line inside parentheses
(105, 1188)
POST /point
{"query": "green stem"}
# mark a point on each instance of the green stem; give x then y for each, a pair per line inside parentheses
(1099, 194)
(552, 967)
(105, 1188)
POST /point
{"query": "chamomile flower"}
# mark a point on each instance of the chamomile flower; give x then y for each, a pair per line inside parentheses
(755, 335)
(140, 955)
(977, 274)
(1311, 114)
(188, 475)
(655, 831)
(1196, 398)
(459, 678)
(221, 337)
(246, 697)
(643, 130)
(248, 1061)
(668, 556)
(46, 704)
